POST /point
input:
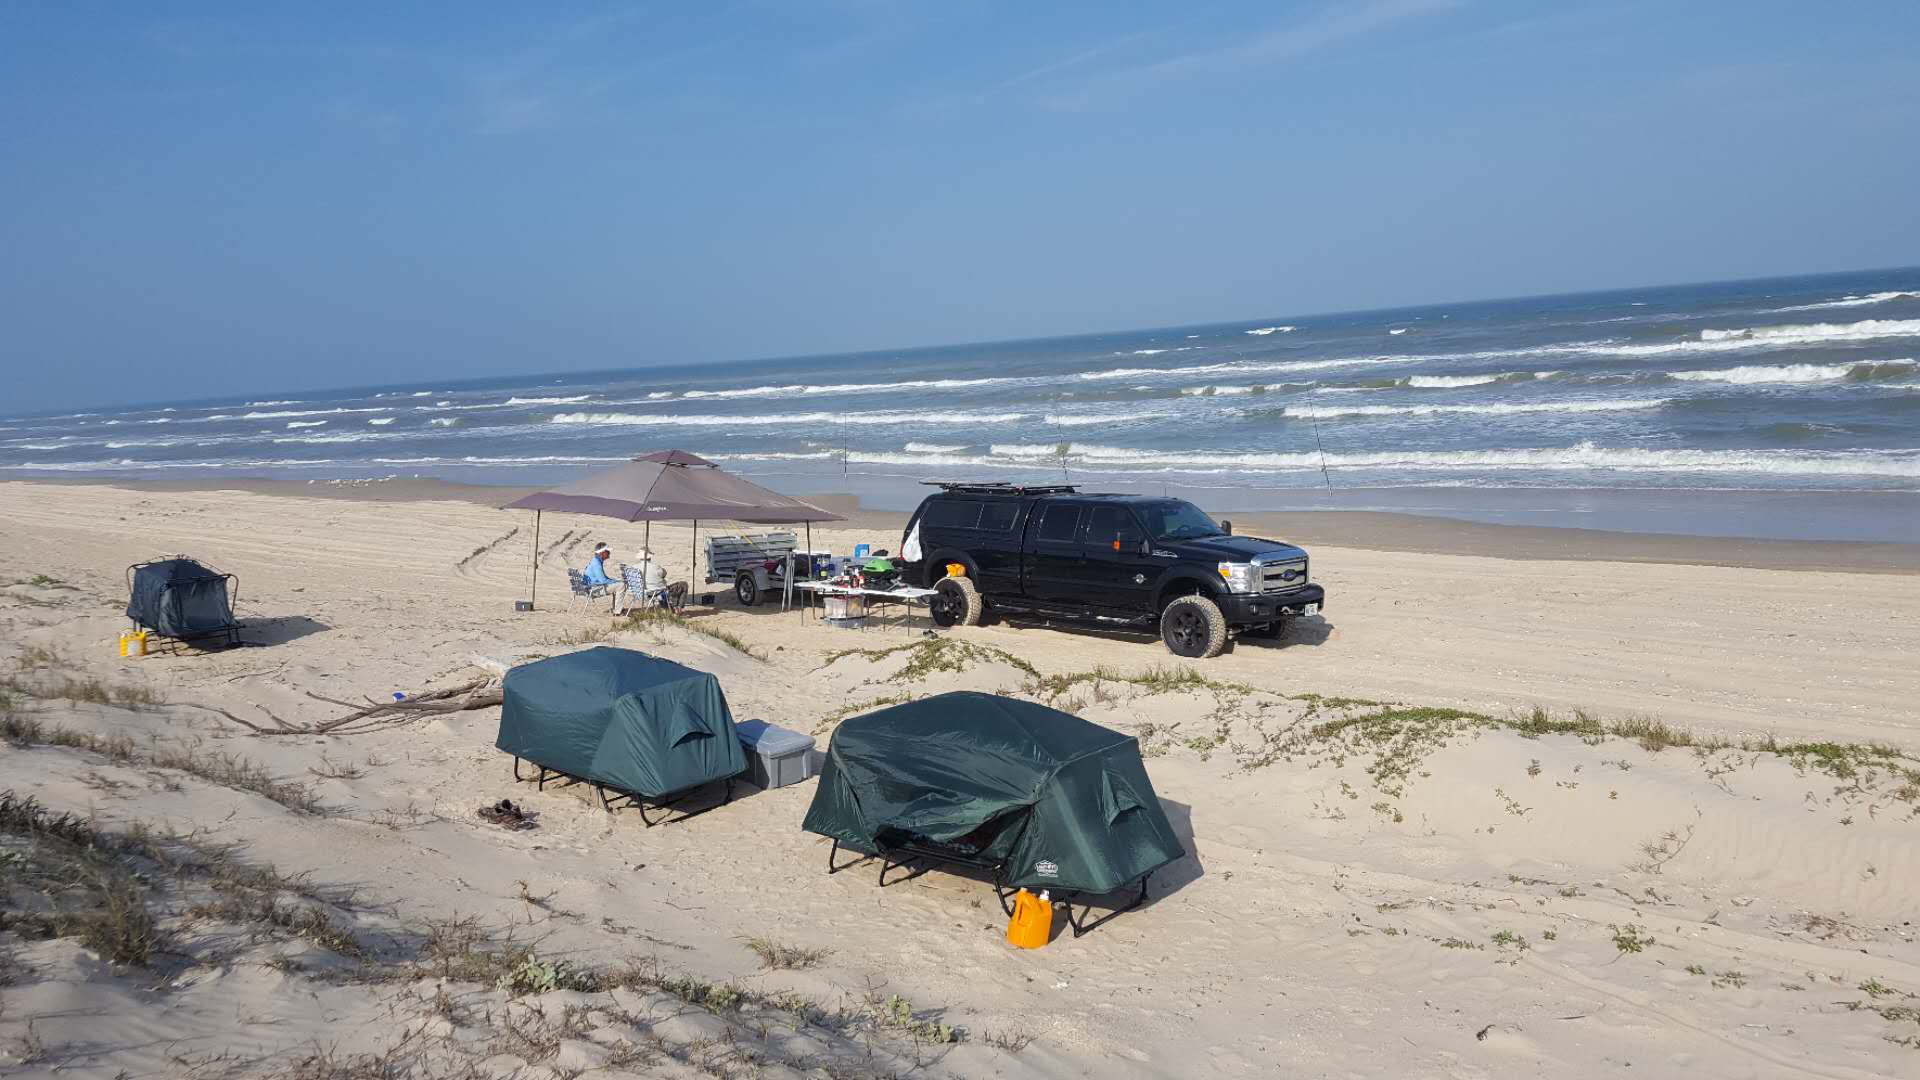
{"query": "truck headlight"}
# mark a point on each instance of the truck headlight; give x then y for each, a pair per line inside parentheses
(1238, 576)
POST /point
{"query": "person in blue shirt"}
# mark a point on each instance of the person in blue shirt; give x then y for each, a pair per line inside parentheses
(596, 571)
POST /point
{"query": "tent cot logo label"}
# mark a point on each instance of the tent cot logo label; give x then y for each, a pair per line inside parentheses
(1046, 868)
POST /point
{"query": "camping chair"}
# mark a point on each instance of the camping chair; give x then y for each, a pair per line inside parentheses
(584, 591)
(638, 595)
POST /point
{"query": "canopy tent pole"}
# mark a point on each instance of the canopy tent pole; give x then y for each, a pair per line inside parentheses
(694, 553)
(646, 545)
(533, 587)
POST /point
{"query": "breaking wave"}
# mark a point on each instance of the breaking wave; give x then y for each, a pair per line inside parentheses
(380, 420)
(1265, 330)
(306, 423)
(1853, 301)
(1800, 373)
(574, 400)
(875, 418)
(1326, 412)
(1580, 456)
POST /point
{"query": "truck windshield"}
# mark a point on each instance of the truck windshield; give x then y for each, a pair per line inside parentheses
(1177, 519)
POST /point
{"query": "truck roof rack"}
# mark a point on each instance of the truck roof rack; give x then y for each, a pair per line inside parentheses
(1000, 487)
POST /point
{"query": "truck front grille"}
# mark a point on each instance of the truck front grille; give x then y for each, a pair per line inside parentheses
(1283, 577)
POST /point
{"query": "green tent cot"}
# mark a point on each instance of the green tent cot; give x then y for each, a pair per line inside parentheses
(1039, 798)
(648, 730)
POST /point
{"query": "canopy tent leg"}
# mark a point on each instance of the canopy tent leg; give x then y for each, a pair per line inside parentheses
(693, 553)
(533, 587)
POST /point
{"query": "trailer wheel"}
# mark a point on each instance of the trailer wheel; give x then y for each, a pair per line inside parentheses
(746, 589)
(955, 602)
(1192, 626)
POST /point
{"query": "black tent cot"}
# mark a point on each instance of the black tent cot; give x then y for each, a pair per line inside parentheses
(1034, 797)
(647, 730)
(182, 599)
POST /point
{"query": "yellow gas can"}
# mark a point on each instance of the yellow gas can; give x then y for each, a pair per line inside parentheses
(1032, 922)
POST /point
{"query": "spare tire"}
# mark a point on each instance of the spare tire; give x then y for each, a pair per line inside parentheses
(955, 602)
(1192, 626)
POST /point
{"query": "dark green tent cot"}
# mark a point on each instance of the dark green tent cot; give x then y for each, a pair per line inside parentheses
(182, 599)
(1036, 797)
(646, 729)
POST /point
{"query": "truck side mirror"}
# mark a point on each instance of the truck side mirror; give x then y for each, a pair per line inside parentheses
(1227, 527)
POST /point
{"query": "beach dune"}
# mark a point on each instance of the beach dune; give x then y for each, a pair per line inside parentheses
(1507, 808)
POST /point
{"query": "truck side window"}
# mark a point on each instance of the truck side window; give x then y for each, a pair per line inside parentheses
(998, 516)
(953, 514)
(1113, 527)
(1059, 522)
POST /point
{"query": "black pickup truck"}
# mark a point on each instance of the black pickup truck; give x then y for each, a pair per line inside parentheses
(1055, 552)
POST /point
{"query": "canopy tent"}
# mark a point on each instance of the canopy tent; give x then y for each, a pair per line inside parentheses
(179, 598)
(669, 485)
(1044, 799)
(622, 720)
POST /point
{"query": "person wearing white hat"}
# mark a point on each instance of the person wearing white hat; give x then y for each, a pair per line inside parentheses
(645, 578)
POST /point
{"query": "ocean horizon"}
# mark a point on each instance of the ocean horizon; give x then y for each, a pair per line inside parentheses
(1803, 384)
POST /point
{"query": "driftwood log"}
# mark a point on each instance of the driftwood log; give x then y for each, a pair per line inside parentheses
(474, 694)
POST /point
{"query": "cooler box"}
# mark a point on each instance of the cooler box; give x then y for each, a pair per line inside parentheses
(777, 756)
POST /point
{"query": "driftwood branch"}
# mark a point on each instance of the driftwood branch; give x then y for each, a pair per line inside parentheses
(473, 694)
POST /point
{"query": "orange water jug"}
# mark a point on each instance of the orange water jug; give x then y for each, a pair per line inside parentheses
(1032, 922)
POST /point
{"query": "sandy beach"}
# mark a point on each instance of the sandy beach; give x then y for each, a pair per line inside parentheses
(1522, 802)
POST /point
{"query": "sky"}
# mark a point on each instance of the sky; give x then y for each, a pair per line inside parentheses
(199, 199)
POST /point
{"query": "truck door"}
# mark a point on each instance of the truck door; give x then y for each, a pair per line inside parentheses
(1114, 571)
(1054, 554)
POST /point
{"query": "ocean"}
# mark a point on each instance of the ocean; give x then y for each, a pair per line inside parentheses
(1799, 384)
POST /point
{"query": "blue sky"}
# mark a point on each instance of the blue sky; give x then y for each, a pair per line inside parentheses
(230, 198)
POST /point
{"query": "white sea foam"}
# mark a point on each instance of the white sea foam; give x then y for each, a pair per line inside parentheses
(1398, 332)
(444, 421)
(421, 393)
(1249, 367)
(805, 390)
(1581, 456)
(1325, 412)
(1447, 382)
(659, 394)
(1788, 373)
(306, 423)
(1148, 352)
(1853, 301)
(770, 419)
(933, 448)
(575, 400)
(380, 420)
(1265, 330)
(270, 404)
(1096, 419)
(284, 413)
(1774, 337)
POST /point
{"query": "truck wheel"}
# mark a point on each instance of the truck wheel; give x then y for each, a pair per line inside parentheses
(1193, 626)
(955, 602)
(746, 589)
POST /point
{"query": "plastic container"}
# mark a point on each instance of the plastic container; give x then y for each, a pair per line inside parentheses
(1032, 921)
(841, 608)
(776, 756)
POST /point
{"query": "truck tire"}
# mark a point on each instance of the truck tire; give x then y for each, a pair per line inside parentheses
(1192, 626)
(745, 589)
(955, 602)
